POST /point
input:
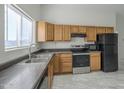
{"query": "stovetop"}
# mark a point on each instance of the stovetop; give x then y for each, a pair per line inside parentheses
(81, 50)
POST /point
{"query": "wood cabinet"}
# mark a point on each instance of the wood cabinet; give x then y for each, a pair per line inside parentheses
(82, 29)
(109, 29)
(91, 34)
(45, 31)
(95, 61)
(66, 32)
(55, 32)
(50, 72)
(100, 30)
(56, 64)
(50, 32)
(74, 29)
(58, 31)
(65, 62)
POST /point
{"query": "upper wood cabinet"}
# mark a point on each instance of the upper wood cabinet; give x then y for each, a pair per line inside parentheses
(100, 30)
(109, 29)
(58, 31)
(45, 31)
(82, 29)
(50, 32)
(66, 32)
(91, 34)
(74, 29)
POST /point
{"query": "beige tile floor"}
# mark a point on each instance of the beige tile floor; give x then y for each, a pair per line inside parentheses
(93, 80)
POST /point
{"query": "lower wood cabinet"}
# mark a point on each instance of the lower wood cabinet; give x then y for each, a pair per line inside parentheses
(95, 61)
(66, 67)
(50, 72)
(63, 63)
(56, 65)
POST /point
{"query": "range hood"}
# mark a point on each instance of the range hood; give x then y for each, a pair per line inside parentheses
(78, 35)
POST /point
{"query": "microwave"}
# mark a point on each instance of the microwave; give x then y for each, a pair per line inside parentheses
(92, 47)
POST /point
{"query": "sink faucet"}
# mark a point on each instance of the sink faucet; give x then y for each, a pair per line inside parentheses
(29, 50)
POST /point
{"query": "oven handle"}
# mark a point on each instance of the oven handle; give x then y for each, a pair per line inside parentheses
(80, 54)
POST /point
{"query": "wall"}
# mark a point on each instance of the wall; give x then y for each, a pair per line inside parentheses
(62, 44)
(77, 14)
(34, 12)
(120, 29)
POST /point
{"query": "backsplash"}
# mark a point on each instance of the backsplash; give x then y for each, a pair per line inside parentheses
(62, 44)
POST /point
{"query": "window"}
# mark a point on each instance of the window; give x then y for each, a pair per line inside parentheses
(18, 28)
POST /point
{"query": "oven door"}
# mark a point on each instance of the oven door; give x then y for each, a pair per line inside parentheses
(81, 60)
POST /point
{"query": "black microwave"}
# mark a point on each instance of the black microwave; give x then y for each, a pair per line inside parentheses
(92, 47)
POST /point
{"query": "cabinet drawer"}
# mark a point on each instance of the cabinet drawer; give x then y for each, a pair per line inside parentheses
(66, 67)
(95, 53)
(69, 55)
(66, 59)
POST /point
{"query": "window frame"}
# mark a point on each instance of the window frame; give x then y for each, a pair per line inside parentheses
(23, 14)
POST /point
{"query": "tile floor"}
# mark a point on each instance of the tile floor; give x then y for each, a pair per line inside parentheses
(93, 80)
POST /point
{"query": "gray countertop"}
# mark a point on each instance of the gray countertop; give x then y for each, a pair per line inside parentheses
(23, 75)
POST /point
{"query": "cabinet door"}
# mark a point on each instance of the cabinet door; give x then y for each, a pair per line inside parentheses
(82, 29)
(41, 27)
(65, 62)
(49, 76)
(100, 30)
(66, 32)
(58, 32)
(50, 32)
(95, 61)
(66, 67)
(74, 29)
(56, 64)
(109, 29)
(91, 34)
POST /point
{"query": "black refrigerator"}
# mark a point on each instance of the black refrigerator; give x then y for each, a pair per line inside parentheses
(108, 45)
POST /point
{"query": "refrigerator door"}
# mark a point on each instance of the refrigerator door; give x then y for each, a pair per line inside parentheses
(111, 39)
(110, 63)
(110, 49)
(110, 58)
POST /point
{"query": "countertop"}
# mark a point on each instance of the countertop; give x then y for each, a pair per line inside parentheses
(23, 75)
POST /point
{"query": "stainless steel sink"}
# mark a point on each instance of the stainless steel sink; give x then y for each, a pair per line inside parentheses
(36, 60)
(41, 56)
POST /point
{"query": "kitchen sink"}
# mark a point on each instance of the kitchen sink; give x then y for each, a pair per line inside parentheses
(41, 56)
(36, 60)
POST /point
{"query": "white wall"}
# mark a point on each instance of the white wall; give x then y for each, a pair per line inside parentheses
(120, 29)
(77, 14)
(34, 12)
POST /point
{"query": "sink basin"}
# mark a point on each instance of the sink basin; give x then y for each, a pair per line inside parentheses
(36, 60)
(41, 56)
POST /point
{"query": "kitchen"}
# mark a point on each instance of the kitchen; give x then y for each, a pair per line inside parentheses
(58, 49)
